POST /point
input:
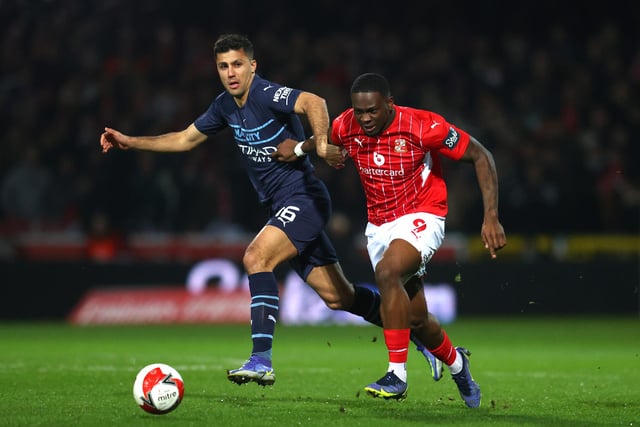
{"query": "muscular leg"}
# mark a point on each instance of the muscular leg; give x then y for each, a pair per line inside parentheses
(338, 293)
(391, 274)
(426, 329)
(268, 249)
(332, 286)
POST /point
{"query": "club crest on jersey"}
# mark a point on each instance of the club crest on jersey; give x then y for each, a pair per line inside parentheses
(400, 145)
(452, 139)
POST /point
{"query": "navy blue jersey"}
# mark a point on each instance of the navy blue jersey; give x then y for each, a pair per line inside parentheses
(258, 127)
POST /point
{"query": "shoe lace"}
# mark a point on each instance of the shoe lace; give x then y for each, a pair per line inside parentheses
(389, 379)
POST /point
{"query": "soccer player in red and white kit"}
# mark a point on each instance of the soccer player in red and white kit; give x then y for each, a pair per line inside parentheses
(397, 151)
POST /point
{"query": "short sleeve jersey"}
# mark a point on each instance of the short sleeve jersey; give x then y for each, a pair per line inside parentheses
(266, 119)
(400, 168)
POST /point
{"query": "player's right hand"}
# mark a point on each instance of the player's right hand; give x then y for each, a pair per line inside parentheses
(111, 138)
(493, 236)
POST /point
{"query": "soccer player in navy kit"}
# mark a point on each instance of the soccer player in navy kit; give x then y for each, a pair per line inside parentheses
(261, 115)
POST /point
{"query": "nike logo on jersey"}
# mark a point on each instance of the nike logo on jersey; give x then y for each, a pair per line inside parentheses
(434, 124)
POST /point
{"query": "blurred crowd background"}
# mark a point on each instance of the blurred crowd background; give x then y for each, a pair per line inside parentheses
(553, 92)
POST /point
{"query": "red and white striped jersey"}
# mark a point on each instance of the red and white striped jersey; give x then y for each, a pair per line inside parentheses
(400, 168)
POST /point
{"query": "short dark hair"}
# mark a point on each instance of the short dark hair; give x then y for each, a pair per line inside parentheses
(227, 42)
(371, 82)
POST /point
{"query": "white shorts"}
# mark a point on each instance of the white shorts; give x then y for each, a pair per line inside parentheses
(422, 230)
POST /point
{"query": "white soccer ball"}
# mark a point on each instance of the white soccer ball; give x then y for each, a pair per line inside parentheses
(158, 388)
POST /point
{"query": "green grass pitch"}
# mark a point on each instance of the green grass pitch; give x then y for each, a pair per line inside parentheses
(533, 371)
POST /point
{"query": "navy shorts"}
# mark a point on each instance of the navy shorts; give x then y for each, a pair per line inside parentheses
(303, 215)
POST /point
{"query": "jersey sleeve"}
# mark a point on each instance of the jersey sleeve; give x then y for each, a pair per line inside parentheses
(336, 127)
(211, 121)
(278, 98)
(446, 138)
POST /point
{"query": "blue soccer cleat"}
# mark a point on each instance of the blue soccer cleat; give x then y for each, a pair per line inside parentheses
(468, 388)
(256, 369)
(435, 364)
(388, 387)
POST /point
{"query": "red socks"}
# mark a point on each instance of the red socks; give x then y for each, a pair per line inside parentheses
(397, 341)
(445, 351)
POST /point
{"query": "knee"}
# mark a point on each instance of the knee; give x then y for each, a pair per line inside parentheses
(252, 261)
(387, 276)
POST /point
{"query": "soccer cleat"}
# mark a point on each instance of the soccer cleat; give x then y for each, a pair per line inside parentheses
(468, 388)
(256, 369)
(388, 387)
(435, 364)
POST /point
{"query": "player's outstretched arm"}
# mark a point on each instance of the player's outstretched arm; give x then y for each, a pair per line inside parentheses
(492, 231)
(174, 141)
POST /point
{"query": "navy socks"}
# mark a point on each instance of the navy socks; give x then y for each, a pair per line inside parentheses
(265, 304)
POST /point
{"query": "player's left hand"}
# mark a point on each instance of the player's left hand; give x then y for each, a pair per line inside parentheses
(493, 236)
